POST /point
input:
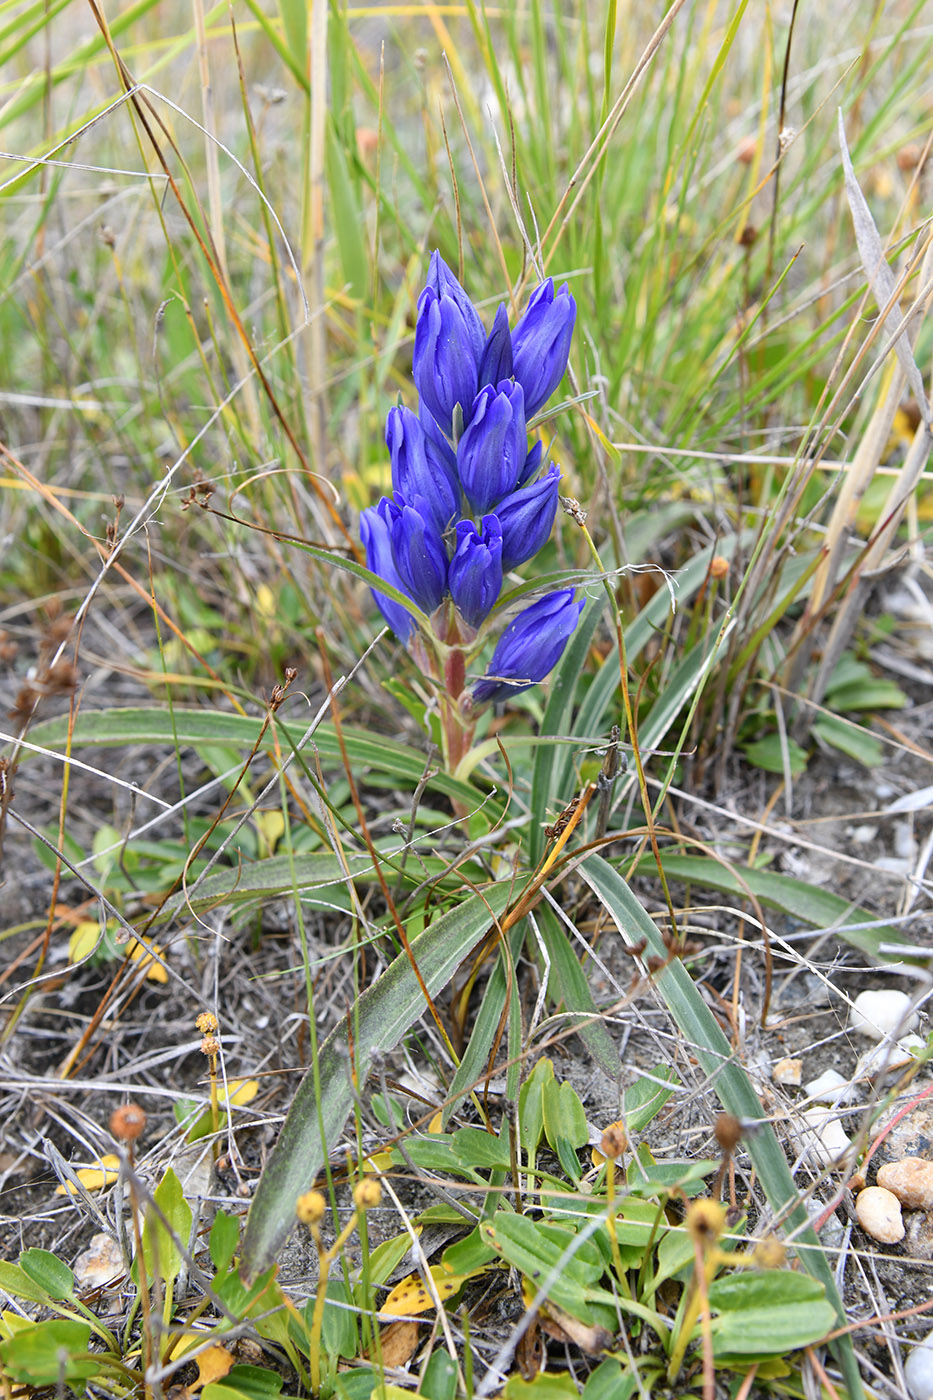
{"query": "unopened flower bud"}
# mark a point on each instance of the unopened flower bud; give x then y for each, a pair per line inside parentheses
(420, 469)
(530, 646)
(375, 532)
(493, 448)
(527, 518)
(541, 343)
(449, 345)
(419, 553)
(475, 575)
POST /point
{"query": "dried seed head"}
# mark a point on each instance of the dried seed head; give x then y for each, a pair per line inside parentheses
(614, 1141)
(908, 157)
(706, 1220)
(748, 237)
(310, 1207)
(206, 1023)
(210, 1045)
(127, 1122)
(769, 1253)
(718, 566)
(367, 1193)
(728, 1132)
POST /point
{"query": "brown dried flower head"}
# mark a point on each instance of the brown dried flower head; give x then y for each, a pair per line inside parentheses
(127, 1122)
(718, 566)
(728, 1132)
(206, 1022)
(706, 1220)
(614, 1141)
(210, 1045)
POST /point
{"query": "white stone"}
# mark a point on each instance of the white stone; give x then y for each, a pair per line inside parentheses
(879, 1213)
(100, 1264)
(828, 1087)
(918, 1370)
(823, 1136)
(787, 1071)
(877, 1014)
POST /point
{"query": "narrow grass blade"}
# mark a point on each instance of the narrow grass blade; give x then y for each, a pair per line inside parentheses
(701, 1032)
(819, 908)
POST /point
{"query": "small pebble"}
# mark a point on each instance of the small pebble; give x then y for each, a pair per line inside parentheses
(100, 1264)
(911, 1181)
(884, 1057)
(827, 1087)
(918, 1370)
(877, 1014)
(879, 1213)
(787, 1071)
(824, 1137)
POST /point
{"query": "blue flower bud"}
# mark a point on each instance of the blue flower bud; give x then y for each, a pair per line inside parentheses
(420, 556)
(541, 343)
(496, 363)
(475, 576)
(375, 532)
(530, 647)
(527, 518)
(449, 344)
(494, 446)
(532, 463)
(420, 468)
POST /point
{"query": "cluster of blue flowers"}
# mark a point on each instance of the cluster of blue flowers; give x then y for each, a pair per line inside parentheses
(470, 500)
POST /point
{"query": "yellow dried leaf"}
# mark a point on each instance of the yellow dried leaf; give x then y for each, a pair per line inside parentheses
(271, 828)
(240, 1092)
(409, 1298)
(212, 1365)
(83, 940)
(93, 1178)
(153, 969)
(377, 1161)
(436, 1124)
(397, 1343)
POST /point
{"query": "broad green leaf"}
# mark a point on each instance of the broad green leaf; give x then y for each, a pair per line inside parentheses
(854, 740)
(340, 1332)
(49, 1353)
(819, 908)
(768, 753)
(223, 1240)
(531, 1106)
(644, 1099)
(439, 1381)
(702, 1033)
(564, 1118)
(545, 1386)
(244, 1382)
(610, 1382)
(163, 1242)
(768, 1312)
(48, 1271)
(385, 1011)
(15, 1281)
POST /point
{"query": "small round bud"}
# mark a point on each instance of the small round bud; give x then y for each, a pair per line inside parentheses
(718, 566)
(769, 1253)
(706, 1220)
(206, 1023)
(367, 1193)
(908, 157)
(745, 151)
(210, 1045)
(127, 1122)
(613, 1142)
(728, 1132)
(311, 1207)
(748, 237)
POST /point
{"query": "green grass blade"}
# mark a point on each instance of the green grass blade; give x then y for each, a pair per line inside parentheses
(385, 1011)
(819, 908)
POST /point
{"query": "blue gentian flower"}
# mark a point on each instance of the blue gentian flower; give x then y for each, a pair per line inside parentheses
(420, 467)
(475, 575)
(375, 532)
(419, 553)
(493, 448)
(530, 647)
(449, 346)
(496, 363)
(532, 463)
(527, 518)
(541, 343)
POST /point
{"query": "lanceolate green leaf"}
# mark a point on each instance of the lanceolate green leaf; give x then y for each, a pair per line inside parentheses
(820, 908)
(184, 725)
(702, 1033)
(385, 1011)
